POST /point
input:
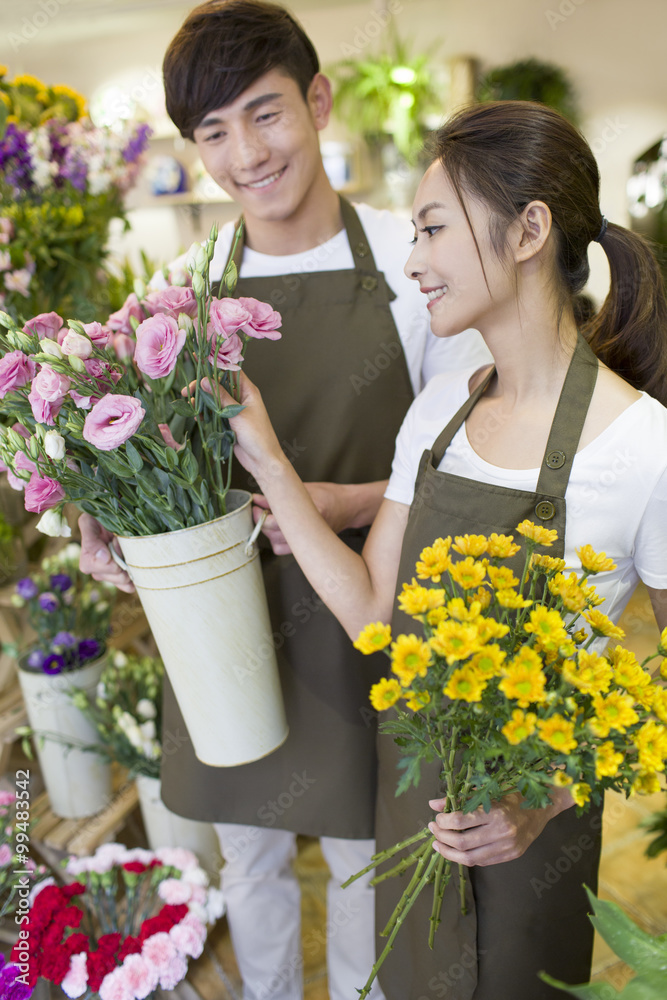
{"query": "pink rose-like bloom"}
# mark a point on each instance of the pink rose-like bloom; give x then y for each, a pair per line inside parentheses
(230, 352)
(51, 386)
(187, 940)
(76, 981)
(169, 438)
(76, 345)
(175, 973)
(123, 346)
(18, 281)
(227, 316)
(16, 370)
(82, 402)
(45, 325)
(42, 493)
(174, 892)
(14, 481)
(120, 320)
(43, 411)
(115, 986)
(5, 854)
(159, 950)
(112, 420)
(172, 301)
(101, 369)
(100, 335)
(264, 320)
(159, 342)
(23, 463)
(140, 975)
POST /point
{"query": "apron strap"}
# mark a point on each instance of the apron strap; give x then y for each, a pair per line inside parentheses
(444, 439)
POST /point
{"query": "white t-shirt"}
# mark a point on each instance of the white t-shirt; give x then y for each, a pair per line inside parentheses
(389, 238)
(616, 495)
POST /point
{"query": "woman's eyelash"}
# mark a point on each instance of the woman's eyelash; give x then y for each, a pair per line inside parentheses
(427, 229)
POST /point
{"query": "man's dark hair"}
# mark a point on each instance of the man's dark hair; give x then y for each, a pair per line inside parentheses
(220, 50)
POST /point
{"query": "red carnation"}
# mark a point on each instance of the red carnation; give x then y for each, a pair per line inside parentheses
(135, 867)
(130, 946)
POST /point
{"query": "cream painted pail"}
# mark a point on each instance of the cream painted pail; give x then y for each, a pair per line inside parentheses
(203, 593)
(165, 829)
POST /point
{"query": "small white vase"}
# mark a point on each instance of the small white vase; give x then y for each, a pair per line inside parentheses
(78, 782)
(166, 829)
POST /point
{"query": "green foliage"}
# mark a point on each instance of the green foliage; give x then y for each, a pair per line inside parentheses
(657, 824)
(531, 80)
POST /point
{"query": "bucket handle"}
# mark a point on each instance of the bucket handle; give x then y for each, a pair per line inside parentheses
(118, 559)
(255, 533)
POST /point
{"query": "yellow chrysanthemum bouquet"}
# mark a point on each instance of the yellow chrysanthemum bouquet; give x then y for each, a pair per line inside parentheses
(507, 691)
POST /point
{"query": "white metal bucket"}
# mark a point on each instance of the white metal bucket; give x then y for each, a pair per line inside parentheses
(165, 829)
(203, 594)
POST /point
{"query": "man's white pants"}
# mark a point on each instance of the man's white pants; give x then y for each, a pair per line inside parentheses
(264, 913)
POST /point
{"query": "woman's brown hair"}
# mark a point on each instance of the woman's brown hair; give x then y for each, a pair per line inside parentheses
(509, 153)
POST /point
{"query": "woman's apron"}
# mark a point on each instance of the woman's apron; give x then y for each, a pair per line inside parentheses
(529, 914)
(336, 386)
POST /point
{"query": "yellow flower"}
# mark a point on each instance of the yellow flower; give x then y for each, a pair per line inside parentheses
(482, 596)
(527, 659)
(581, 793)
(662, 645)
(591, 673)
(569, 591)
(465, 684)
(410, 657)
(489, 628)
(561, 779)
(416, 600)
(26, 80)
(501, 577)
(594, 562)
(373, 637)
(536, 533)
(6, 100)
(607, 760)
(510, 599)
(434, 560)
(462, 612)
(547, 627)
(625, 666)
(615, 711)
(660, 703)
(558, 732)
(523, 685)
(580, 636)
(455, 640)
(436, 616)
(385, 693)
(488, 662)
(602, 625)
(651, 741)
(520, 726)
(548, 563)
(470, 545)
(416, 700)
(468, 573)
(502, 546)
(645, 783)
(663, 669)
(593, 599)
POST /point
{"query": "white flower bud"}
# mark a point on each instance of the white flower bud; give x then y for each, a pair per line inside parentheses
(148, 730)
(54, 445)
(146, 709)
(51, 348)
(198, 286)
(77, 344)
(139, 288)
(77, 364)
(54, 524)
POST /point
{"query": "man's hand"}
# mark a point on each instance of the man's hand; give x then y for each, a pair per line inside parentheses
(95, 556)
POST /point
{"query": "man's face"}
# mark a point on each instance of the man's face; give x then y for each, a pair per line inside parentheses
(263, 148)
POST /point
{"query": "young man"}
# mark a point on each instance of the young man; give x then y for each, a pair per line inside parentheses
(243, 82)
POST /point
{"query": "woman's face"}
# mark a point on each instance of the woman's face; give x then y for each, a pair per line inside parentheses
(446, 262)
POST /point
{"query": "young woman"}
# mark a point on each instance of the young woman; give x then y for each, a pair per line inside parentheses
(566, 431)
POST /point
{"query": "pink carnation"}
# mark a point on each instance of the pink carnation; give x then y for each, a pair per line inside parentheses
(50, 385)
(264, 320)
(230, 353)
(159, 950)
(6, 798)
(174, 892)
(99, 334)
(140, 975)
(76, 981)
(112, 420)
(172, 301)
(115, 986)
(45, 325)
(177, 857)
(16, 370)
(187, 940)
(174, 973)
(227, 316)
(5, 854)
(120, 320)
(159, 342)
(42, 493)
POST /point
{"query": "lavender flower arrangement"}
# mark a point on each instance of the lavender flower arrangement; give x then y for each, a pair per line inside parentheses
(69, 612)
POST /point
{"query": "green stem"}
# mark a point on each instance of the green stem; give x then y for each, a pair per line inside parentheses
(414, 881)
(442, 875)
(404, 864)
(387, 853)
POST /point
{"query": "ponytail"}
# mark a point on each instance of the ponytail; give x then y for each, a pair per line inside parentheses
(629, 334)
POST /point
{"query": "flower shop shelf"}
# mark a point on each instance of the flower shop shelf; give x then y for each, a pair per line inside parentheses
(12, 716)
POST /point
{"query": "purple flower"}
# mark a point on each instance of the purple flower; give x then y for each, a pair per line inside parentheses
(36, 659)
(137, 144)
(53, 664)
(48, 602)
(89, 649)
(65, 639)
(61, 581)
(27, 588)
(10, 987)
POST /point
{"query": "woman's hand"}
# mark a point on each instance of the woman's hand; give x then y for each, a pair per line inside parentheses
(502, 834)
(95, 557)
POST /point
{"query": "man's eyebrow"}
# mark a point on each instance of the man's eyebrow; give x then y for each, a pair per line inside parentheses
(256, 102)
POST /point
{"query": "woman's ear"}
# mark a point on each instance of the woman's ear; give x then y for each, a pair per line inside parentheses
(532, 230)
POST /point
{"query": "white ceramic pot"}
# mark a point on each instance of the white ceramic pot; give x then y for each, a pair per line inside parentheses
(165, 829)
(203, 594)
(78, 782)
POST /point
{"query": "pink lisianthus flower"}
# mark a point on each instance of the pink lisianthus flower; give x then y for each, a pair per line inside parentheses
(140, 975)
(169, 438)
(5, 260)
(174, 892)
(16, 370)
(159, 950)
(50, 385)
(230, 353)
(6, 798)
(101, 370)
(227, 316)
(23, 463)
(45, 325)
(42, 493)
(75, 982)
(18, 281)
(112, 420)
(120, 320)
(159, 342)
(6, 229)
(5, 854)
(264, 321)
(99, 335)
(174, 973)
(76, 345)
(172, 301)
(43, 411)
(82, 402)
(123, 346)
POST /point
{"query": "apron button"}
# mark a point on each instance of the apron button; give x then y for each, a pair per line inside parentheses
(545, 510)
(361, 250)
(555, 459)
(369, 282)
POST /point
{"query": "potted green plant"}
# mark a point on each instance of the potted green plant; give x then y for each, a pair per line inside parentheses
(530, 80)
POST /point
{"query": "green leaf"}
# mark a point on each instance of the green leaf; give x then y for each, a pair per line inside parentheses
(182, 407)
(188, 464)
(232, 410)
(411, 767)
(112, 462)
(135, 459)
(589, 991)
(639, 950)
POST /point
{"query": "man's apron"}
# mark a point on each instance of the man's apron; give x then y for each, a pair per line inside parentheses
(529, 914)
(336, 386)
